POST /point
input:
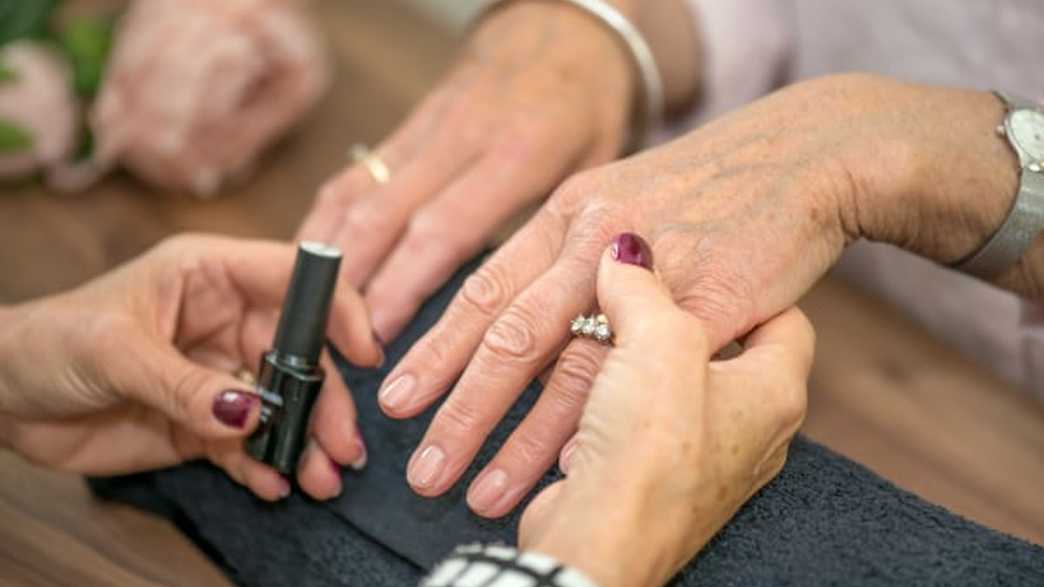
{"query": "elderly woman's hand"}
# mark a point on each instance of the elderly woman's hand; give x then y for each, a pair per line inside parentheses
(134, 370)
(744, 215)
(671, 442)
(541, 90)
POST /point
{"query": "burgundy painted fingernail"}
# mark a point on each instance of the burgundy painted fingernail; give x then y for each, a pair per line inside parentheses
(232, 407)
(632, 249)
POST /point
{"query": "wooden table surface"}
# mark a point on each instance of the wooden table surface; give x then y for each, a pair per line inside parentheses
(883, 392)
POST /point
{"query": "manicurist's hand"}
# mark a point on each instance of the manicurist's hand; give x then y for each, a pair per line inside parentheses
(133, 371)
(743, 216)
(540, 90)
(671, 442)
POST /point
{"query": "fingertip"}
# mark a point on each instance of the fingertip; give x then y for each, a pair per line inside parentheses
(629, 292)
(234, 412)
(262, 480)
(352, 333)
(334, 423)
(318, 474)
(387, 326)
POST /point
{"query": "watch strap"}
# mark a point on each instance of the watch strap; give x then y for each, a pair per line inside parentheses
(1013, 102)
(1024, 222)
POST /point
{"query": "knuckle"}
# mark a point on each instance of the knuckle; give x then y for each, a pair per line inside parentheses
(459, 418)
(772, 467)
(718, 295)
(369, 216)
(579, 186)
(486, 290)
(180, 244)
(600, 219)
(433, 353)
(531, 450)
(574, 374)
(182, 393)
(512, 336)
(789, 402)
(330, 194)
(524, 145)
(435, 228)
(794, 403)
(573, 192)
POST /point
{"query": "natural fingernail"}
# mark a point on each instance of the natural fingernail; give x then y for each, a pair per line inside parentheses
(632, 249)
(360, 461)
(425, 469)
(488, 491)
(335, 466)
(395, 395)
(232, 407)
(284, 488)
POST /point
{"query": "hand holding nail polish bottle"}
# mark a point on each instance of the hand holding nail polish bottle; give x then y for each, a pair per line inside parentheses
(290, 377)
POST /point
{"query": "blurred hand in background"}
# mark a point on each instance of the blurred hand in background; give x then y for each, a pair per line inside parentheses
(195, 90)
(39, 114)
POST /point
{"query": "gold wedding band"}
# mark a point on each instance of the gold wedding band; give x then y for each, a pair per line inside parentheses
(378, 170)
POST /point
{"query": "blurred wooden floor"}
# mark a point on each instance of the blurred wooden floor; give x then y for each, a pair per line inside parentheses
(883, 392)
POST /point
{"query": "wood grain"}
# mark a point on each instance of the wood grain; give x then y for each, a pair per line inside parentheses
(883, 392)
(886, 394)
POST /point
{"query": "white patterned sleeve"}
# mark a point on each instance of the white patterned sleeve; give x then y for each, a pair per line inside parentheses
(503, 566)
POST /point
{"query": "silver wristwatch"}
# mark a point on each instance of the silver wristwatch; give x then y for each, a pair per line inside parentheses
(1024, 128)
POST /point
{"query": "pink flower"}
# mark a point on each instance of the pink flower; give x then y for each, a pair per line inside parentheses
(195, 90)
(39, 101)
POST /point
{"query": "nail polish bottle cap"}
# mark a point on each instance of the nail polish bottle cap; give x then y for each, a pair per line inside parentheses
(302, 324)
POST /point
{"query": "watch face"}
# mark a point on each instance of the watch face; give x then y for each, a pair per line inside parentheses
(1027, 130)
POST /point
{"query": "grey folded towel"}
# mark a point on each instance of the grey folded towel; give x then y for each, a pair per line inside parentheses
(824, 521)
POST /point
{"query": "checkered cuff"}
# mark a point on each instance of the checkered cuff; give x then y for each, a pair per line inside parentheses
(502, 566)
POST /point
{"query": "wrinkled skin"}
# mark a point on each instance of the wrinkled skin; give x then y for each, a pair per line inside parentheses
(671, 442)
(743, 216)
(520, 112)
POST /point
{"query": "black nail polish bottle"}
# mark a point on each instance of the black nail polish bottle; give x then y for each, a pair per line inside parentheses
(290, 377)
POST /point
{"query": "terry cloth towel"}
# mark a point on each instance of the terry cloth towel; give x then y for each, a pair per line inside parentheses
(824, 521)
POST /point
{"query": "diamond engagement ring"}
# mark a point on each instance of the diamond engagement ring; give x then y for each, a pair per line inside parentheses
(593, 327)
(362, 155)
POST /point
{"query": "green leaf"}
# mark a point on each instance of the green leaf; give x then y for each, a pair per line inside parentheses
(86, 147)
(7, 74)
(14, 138)
(25, 18)
(87, 42)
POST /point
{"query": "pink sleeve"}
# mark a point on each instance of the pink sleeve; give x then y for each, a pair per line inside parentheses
(747, 45)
